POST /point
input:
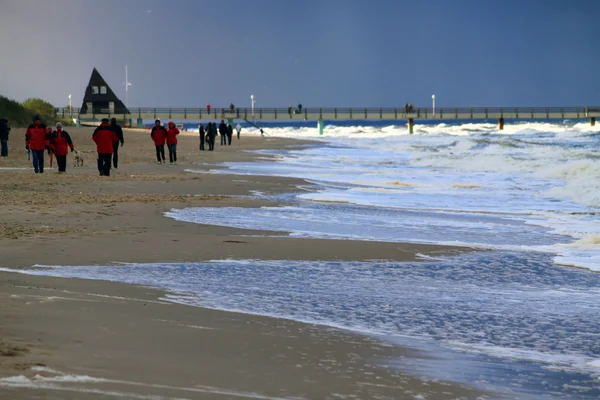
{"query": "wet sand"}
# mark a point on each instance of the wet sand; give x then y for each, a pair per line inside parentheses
(144, 346)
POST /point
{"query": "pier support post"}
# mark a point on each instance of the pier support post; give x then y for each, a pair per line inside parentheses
(140, 123)
(593, 121)
(411, 125)
(501, 124)
(320, 124)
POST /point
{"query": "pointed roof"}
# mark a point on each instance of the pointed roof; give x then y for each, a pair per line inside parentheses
(98, 95)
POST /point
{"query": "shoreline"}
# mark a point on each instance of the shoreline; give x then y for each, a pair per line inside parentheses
(71, 326)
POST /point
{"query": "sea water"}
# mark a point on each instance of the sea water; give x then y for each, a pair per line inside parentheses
(518, 318)
(468, 177)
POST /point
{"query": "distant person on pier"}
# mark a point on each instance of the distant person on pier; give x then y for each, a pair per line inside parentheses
(172, 133)
(37, 140)
(212, 134)
(238, 128)
(119, 132)
(231, 107)
(208, 108)
(60, 141)
(105, 139)
(229, 134)
(223, 132)
(202, 136)
(4, 131)
(290, 110)
(159, 135)
(299, 108)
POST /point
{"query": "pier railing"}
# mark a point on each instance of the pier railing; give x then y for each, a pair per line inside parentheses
(273, 113)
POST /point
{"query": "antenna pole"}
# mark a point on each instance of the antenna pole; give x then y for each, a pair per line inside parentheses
(126, 89)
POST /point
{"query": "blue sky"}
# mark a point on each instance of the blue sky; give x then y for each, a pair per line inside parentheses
(186, 53)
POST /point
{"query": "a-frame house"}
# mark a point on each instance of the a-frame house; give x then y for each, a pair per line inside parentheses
(100, 99)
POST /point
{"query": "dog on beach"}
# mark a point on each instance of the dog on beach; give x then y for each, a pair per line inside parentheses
(78, 159)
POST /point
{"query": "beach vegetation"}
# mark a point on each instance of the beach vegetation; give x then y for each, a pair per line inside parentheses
(20, 114)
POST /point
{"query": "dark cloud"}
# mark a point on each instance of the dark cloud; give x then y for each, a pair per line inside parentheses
(321, 53)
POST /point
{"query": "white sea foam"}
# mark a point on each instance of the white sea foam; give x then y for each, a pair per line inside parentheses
(540, 173)
(508, 305)
(59, 381)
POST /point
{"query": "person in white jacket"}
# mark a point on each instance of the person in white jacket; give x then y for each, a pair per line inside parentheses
(238, 128)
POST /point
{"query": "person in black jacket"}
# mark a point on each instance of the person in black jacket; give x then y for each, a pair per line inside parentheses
(4, 131)
(229, 134)
(202, 134)
(223, 132)
(117, 129)
(212, 134)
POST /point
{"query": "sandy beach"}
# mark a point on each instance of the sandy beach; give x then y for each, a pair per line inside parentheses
(54, 332)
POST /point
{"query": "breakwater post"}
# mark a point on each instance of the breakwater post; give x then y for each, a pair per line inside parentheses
(320, 124)
(593, 121)
(411, 125)
(501, 123)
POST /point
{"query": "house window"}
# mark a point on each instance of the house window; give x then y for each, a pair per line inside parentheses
(102, 89)
(94, 89)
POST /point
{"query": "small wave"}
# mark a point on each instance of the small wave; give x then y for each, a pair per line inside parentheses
(466, 186)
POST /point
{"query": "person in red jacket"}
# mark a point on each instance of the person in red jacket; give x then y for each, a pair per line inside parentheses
(159, 135)
(105, 137)
(37, 140)
(60, 141)
(172, 133)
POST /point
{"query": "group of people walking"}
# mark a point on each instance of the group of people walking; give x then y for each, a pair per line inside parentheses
(209, 134)
(39, 139)
(161, 135)
(108, 137)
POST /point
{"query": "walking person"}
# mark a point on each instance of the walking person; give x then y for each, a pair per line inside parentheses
(223, 132)
(202, 136)
(119, 132)
(212, 134)
(159, 135)
(172, 133)
(4, 131)
(238, 128)
(105, 139)
(36, 141)
(60, 141)
(229, 134)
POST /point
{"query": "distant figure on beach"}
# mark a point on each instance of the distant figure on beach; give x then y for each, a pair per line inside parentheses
(212, 134)
(36, 141)
(208, 108)
(172, 133)
(105, 139)
(229, 134)
(238, 128)
(60, 141)
(4, 131)
(231, 107)
(48, 133)
(159, 135)
(202, 134)
(223, 132)
(119, 132)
